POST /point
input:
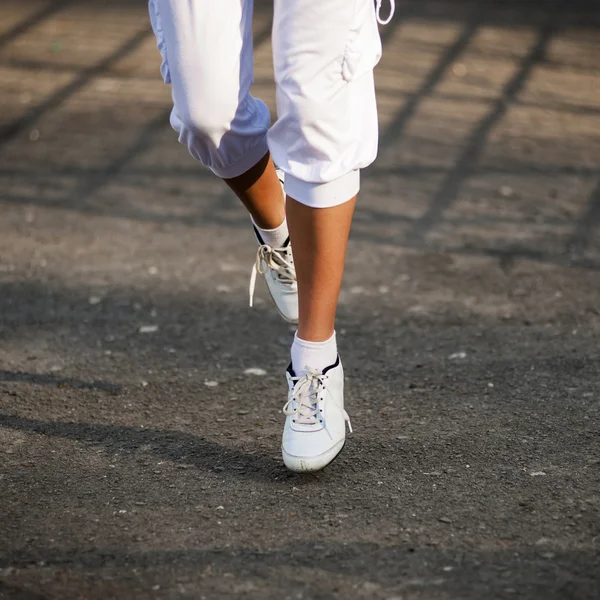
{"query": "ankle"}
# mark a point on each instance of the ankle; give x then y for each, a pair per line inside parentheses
(277, 237)
(314, 354)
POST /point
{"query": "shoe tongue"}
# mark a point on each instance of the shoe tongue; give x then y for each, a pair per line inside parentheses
(305, 420)
(309, 401)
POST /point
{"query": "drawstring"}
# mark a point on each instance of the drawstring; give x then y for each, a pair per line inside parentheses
(392, 10)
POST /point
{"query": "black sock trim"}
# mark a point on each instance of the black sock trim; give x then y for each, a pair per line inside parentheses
(260, 240)
(291, 371)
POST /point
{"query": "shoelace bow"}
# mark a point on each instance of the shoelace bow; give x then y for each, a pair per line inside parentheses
(306, 394)
(275, 259)
(390, 16)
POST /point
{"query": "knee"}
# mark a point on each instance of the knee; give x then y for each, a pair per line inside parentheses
(208, 118)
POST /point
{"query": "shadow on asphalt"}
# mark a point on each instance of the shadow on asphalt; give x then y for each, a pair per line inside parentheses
(545, 19)
(399, 567)
(473, 382)
(57, 381)
(176, 446)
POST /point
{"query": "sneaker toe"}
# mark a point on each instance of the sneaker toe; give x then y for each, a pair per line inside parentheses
(306, 452)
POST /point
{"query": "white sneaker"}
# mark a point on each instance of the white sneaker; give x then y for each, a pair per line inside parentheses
(315, 425)
(277, 265)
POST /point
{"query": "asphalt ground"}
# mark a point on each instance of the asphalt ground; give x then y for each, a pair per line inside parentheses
(139, 455)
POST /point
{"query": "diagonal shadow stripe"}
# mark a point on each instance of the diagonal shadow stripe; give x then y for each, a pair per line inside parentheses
(142, 143)
(402, 118)
(263, 35)
(33, 20)
(16, 127)
(467, 160)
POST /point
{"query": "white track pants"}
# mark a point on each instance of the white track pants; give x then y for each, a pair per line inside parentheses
(324, 54)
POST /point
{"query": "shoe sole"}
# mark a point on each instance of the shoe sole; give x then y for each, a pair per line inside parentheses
(298, 464)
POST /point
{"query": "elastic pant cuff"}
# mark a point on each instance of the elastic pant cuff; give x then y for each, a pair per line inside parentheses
(249, 160)
(323, 195)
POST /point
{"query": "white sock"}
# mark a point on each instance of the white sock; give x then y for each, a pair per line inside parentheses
(317, 355)
(276, 238)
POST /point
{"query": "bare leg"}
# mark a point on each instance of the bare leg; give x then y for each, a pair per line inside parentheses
(319, 237)
(260, 192)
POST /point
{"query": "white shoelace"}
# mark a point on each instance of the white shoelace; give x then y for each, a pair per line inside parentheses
(390, 16)
(306, 395)
(277, 259)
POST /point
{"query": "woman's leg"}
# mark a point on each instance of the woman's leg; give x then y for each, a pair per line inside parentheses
(206, 48)
(207, 57)
(326, 131)
(259, 189)
(320, 237)
(324, 55)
